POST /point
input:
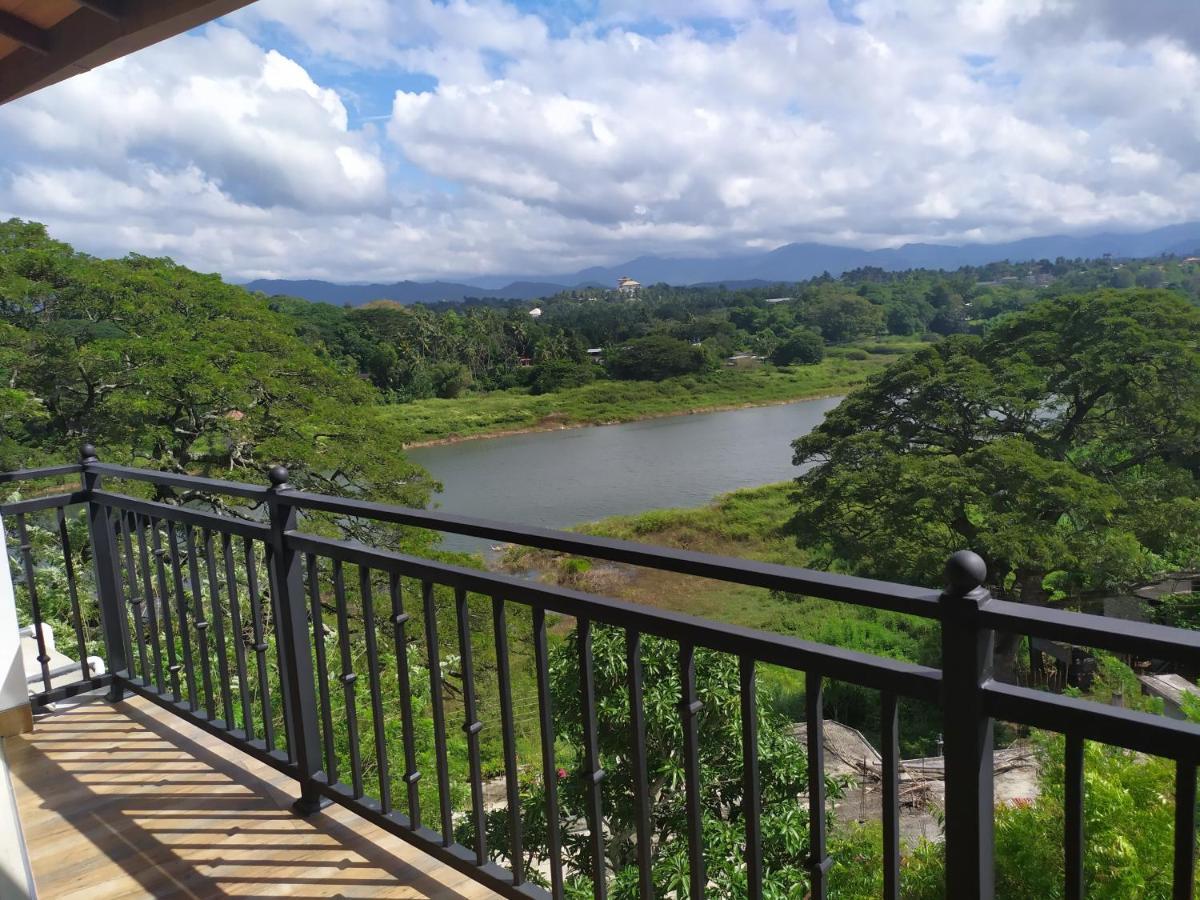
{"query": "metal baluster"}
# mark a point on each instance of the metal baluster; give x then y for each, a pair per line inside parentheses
(291, 739)
(439, 713)
(511, 784)
(751, 792)
(185, 639)
(818, 861)
(286, 575)
(1073, 814)
(411, 773)
(218, 621)
(260, 643)
(1185, 829)
(968, 729)
(890, 733)
(592, 773)
(136, 600)
(637, 762)
(348, 678)
(140, 525)
(200, 622)
(549, 770)
(239, 636)
(64, 541)
(108, 585)
(689, 708)
(471, 724)
(314, 607)
(119, 606)
(381, 758)
(173, 666)
(35, 606)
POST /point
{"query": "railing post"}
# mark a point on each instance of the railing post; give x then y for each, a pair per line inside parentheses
(296, 670)
(109, 597)
(967, 728)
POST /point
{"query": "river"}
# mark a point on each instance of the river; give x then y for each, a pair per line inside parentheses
(555, 479)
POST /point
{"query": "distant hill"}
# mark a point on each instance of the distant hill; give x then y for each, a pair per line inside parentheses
(791, 262)
(400, 292)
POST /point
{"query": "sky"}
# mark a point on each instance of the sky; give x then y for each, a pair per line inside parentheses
(378, 140)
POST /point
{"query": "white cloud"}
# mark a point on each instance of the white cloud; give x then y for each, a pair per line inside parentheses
(545, 147)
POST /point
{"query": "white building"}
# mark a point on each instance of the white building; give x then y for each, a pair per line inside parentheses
(628, 286)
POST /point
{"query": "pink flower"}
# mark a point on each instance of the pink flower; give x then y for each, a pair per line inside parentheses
(562, 773)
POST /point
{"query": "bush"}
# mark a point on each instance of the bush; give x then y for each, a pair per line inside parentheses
(1176, 610)
(450, 380)
(855, 353)
(802, 347)
(557, 374)
(656, 357)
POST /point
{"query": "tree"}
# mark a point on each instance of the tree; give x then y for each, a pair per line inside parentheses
(161, 366)
(843, 317)
(1062, 446)
(802, 347)
(656, 357)
(782, 765)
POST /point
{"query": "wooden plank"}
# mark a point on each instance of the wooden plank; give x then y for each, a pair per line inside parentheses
(145, 804)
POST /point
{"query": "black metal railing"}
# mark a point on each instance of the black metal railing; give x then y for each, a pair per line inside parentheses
(242, 625)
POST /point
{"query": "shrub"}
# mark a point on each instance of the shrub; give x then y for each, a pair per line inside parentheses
(656, 357)
(855, 353)
(802, 347)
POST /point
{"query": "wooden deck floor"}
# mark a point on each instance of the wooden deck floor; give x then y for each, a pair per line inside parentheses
(130, 801)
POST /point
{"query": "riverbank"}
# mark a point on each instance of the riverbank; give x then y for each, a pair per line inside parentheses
(430, 422)
(751, 524)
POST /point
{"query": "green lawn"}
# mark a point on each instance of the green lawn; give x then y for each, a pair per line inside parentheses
(604, 402)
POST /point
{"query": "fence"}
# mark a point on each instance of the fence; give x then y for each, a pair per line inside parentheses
(221, 619)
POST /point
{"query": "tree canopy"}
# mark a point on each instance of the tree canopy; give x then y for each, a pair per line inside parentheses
(165, 367)
(1063, 445)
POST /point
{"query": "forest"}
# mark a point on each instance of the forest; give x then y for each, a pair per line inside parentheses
(1046, 414)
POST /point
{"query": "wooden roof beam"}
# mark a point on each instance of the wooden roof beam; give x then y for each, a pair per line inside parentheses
(24, 33)
(84, 40)
(110, 9)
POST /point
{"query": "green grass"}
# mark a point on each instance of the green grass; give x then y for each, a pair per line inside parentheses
(750, 524)
(604, 402)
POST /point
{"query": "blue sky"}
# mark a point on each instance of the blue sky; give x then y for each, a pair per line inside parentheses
(389, 139)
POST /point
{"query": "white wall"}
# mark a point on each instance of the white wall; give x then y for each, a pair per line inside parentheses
(13, 692)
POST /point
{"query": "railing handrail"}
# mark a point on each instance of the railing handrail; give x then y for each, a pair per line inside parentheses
(970, 698)
(768, 647)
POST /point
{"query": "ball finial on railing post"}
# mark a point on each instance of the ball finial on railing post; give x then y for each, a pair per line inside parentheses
(279, 477)
(87, 453)
(965, 572)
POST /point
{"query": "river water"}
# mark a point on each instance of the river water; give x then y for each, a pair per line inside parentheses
(555, 479)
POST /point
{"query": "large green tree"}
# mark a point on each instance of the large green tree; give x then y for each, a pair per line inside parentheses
(165, 367)
(1063, 445)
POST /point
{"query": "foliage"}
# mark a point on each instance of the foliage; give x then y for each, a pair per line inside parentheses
(1177, 610)
(782, 766)
(164, 367)
(801, 347)
(656, 357)
(1062, 441)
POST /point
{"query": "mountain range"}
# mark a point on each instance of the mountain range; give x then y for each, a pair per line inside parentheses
(791, 262)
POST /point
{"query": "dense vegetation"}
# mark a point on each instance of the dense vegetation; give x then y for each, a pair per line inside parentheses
(1047, 415)
(446, 349)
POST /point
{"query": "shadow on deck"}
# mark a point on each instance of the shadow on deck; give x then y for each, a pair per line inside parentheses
(129, 801)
